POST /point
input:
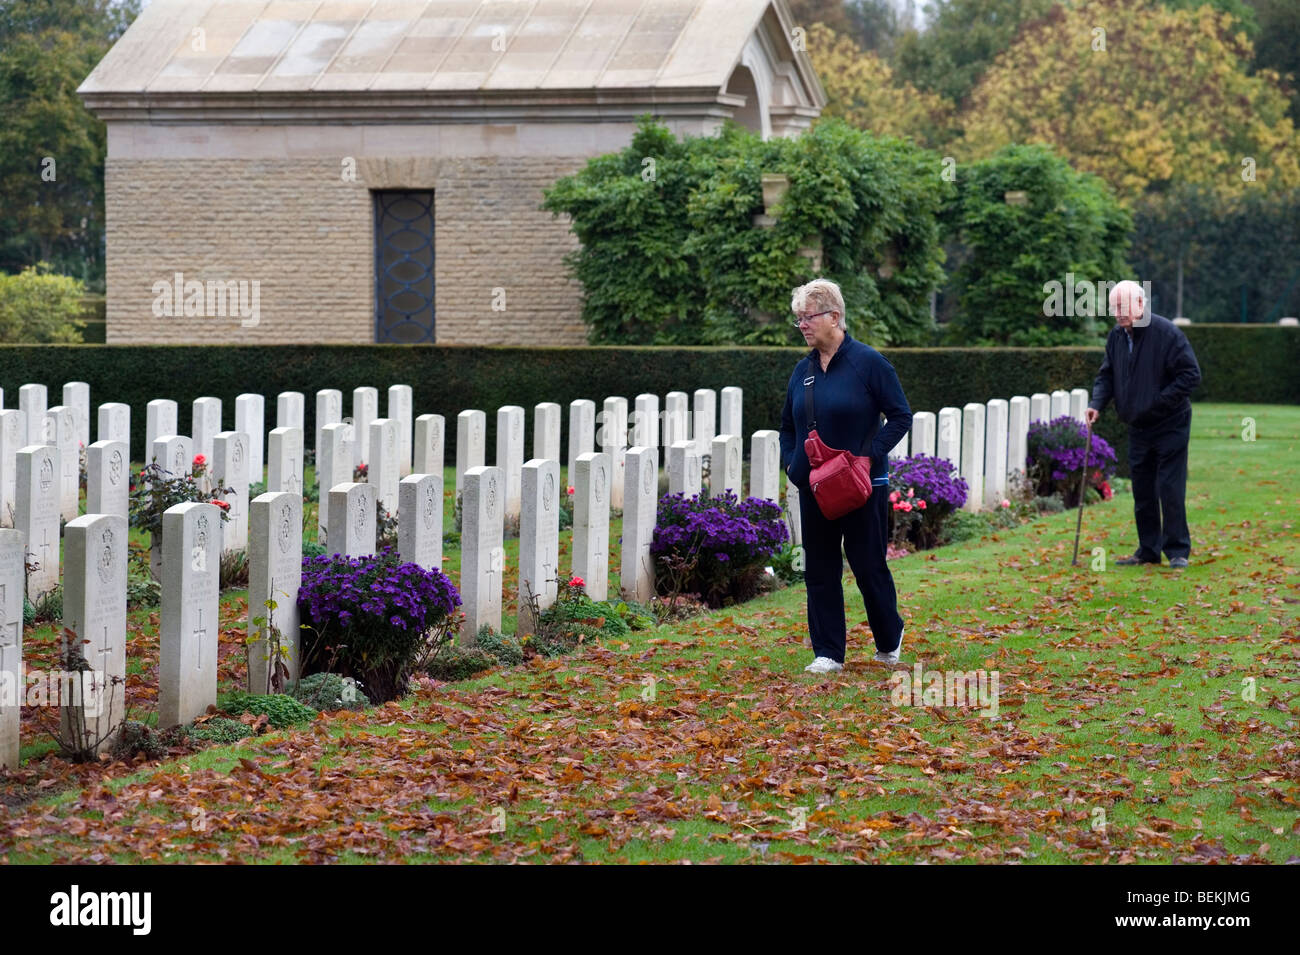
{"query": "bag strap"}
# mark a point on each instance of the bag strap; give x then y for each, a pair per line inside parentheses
(809, 411)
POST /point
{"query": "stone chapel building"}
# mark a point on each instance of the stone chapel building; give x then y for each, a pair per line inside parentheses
(351, 171)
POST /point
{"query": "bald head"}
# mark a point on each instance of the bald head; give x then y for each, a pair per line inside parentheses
(1127, 302)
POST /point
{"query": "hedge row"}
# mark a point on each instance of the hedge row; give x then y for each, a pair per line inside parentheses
(1259, 364)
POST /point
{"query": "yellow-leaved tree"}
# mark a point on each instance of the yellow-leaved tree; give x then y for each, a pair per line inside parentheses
(860, 89)
(1143, 96)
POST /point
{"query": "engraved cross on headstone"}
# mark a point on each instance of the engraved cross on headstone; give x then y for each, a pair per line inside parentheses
(201, 634)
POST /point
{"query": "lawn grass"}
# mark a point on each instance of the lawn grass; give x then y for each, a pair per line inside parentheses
(1126, 728)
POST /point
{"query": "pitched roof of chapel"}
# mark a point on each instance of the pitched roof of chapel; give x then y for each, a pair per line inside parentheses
(190, 50)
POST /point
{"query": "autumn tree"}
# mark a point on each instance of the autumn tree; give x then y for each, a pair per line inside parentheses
(51, 148)
(861, 89)
(1142, 95)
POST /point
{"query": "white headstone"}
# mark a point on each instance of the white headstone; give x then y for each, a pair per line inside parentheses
(188, 623)
(972, 454)
(1078, 403)
(684, 469)
(794, 517)
(995, 452)
(351, 525)
(482, 560)
(76, 395)
(428, 452)
(284, 460)
(333, 467)
(94, 609)
(645, 421)
(207, 423)
(613, 441)
(591, 524)
(1040, 407)
(471, 442)
(1017, 435)
(114, 424)
(108, 479)
(384, 463)
(274, 576)
(365, 409)
(1060, 403)
(582, 431)
(546, 431)
(329, 410)
(32, 401)
(401, 401)
(765, 466)
(704, 424)
(250, 418)
(510, 455)
(725, 467)
(230, 469)
(13, 435)
(899, 451)
(640, 503)
(12, 675)
(290, 407)
(539, 536)
(923, 433)
(419, 529)
(676, 418)
(159, 419)
(731, 419)
(61, 431)
(37, 513)
(174, 454)
(948, 441)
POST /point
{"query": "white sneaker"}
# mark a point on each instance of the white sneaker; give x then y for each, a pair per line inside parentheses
(892, 655)
(823, 665)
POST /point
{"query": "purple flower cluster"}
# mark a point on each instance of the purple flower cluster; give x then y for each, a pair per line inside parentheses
(1057, 447)
(360, 593)
(933, 481)
(724, 526)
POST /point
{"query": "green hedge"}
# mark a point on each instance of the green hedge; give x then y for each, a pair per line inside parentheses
(1248, 364)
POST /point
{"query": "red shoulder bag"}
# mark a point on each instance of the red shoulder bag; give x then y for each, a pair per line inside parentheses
(840, 480)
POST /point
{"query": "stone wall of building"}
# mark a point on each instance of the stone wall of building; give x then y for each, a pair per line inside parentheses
(303, 230)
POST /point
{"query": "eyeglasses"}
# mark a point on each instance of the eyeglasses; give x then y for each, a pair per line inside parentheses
(807, 319)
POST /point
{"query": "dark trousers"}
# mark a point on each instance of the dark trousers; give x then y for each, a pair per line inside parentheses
(864, 534)
(1158, 460)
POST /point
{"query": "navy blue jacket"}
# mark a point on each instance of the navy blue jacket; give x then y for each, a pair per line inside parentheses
(1151, 382)
(849, 397)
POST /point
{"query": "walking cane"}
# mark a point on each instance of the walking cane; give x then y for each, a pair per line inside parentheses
(1083, 484)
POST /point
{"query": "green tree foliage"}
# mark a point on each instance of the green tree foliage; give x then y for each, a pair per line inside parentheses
(671, 253)
(1247, 241)
(871, 24)
(963, 38)
(1277, 46)
(51, 148)
(36, 307)
(1068, 222)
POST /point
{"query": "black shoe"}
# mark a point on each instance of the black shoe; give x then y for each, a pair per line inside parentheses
(1134, 559)
(1178, 562)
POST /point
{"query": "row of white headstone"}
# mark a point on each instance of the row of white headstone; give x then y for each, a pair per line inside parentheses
(418, 440)
(987, 442)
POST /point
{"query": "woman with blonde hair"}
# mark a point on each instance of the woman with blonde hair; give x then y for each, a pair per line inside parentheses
(849, 385)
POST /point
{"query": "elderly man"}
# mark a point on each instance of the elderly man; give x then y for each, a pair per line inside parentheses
(1150, 371)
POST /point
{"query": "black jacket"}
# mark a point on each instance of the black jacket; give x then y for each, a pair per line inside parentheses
(1151, 386)
(848, 398)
